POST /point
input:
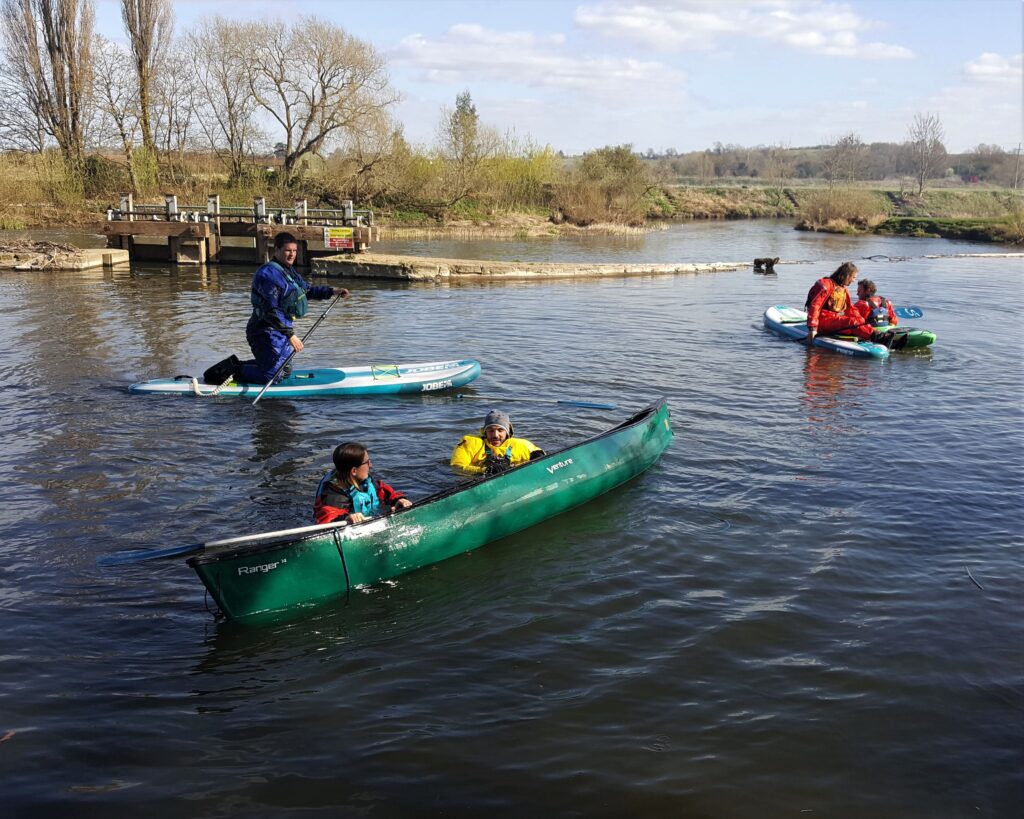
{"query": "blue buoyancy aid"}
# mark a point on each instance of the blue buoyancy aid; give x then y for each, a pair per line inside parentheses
(293, 302)
(879, 315)
(364, 499)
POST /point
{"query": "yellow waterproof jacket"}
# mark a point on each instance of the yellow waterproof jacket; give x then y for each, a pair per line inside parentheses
(471, 453)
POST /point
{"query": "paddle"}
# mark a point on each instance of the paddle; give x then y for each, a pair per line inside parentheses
(908, 312)
(495, 399)
(309, 332)
(140, 555)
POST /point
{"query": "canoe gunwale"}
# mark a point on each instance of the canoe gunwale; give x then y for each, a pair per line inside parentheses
(263, 542)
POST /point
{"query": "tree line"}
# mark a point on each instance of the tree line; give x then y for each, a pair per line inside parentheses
(916, 161)
(308, 107)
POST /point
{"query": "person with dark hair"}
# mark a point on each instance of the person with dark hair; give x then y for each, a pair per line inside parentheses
(874, 309)
(349, 492)
(279, 295)
(830, 311)
(493, 449)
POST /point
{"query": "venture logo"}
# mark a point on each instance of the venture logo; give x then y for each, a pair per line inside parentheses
(555, 467)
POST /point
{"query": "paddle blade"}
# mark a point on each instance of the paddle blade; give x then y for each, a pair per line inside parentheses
(140, 555)
(909, 312)
(588, 404)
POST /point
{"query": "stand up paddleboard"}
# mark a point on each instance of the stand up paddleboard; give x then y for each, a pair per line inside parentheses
(376, 379)
(789, 322)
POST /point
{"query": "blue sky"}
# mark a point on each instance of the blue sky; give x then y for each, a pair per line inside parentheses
(683, 74)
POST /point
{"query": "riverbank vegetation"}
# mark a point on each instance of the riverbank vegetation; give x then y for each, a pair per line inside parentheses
(229, 108)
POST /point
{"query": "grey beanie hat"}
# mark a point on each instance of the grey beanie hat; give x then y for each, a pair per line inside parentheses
(497, 418)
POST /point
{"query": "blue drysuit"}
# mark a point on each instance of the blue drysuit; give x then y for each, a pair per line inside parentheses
(278, 296)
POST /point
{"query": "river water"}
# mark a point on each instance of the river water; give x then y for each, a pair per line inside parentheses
(812, 605)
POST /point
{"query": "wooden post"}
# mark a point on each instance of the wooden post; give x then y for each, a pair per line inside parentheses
(213, 240)
(171, 200)
(301, 211)
(264, 242)
(260, 210)
(128, 205)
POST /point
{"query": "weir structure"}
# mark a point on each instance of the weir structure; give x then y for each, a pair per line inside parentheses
(216, 234)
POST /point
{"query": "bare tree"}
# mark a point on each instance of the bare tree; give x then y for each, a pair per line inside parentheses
(173, 114)
(116, 100)
(844, 159)
(48, 50)
(925, 148)
(150, 26)
(365, 153)
(223, 104)
(316, 81)
(21, 126)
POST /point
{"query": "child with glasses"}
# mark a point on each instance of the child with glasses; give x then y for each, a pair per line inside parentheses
(349, 492)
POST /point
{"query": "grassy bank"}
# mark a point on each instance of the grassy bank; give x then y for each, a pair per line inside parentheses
(35, 192)
(979, 215)
(1004, 230)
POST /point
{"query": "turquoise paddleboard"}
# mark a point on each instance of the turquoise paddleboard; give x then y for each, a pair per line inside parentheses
(375, 379)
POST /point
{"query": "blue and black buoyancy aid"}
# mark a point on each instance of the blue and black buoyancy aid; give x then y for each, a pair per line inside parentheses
(879, 315)
(293, 302)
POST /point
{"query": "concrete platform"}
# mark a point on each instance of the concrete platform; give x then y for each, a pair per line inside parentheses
(418, 268)
(87, 259)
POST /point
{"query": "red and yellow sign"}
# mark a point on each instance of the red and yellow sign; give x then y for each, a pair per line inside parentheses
(338, 238)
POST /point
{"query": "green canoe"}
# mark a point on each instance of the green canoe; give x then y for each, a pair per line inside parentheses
(277, 576)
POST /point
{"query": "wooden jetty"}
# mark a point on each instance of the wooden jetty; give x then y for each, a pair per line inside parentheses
(215, 234)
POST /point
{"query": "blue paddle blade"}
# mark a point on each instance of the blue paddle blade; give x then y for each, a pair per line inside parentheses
(588, 404)
(908, 312)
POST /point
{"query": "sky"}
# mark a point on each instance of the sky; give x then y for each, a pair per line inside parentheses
(682, 74)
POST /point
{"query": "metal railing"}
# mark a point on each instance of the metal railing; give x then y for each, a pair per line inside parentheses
(301, 214)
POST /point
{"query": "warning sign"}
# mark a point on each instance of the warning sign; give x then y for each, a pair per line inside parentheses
(338, 238)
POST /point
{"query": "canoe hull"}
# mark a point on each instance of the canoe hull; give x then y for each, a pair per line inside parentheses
(274, 580)
(376, 379)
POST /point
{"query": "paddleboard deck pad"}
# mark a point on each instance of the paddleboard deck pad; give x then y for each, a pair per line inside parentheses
(375, 379)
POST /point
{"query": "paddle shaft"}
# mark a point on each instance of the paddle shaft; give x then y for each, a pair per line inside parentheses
(585, 404)
(291, 355)
(140, 555)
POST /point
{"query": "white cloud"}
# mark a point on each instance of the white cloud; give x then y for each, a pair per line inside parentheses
(986, 106)
(827, 29)
(471, 53)
(991, 67)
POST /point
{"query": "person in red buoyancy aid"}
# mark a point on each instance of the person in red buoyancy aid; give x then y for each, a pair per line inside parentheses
(874, 309)
(830, 311)
(348, 492)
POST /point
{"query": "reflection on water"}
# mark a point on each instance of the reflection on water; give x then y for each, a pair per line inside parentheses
(834, 386)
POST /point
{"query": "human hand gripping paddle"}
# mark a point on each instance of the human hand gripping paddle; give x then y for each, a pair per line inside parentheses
(342, 294)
